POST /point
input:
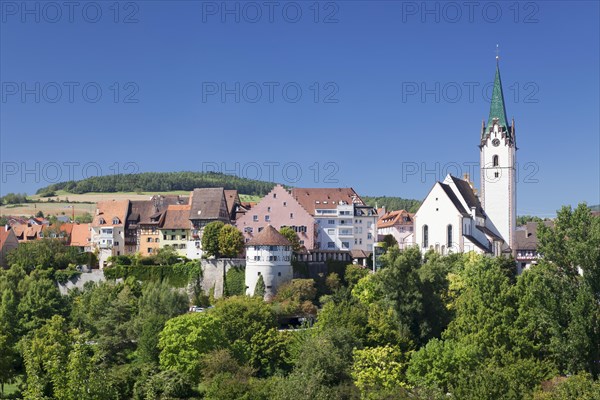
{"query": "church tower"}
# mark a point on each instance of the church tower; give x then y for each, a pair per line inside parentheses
(497, 166)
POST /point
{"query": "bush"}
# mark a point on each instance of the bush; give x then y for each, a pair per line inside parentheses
(235, 282)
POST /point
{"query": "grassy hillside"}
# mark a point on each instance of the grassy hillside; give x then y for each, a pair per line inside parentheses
(160, 182)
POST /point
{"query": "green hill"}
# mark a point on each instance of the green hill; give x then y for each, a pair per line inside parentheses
(186, 181)
(160, 182)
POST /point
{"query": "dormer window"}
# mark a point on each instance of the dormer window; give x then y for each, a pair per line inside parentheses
(102, 221)
(116, 221)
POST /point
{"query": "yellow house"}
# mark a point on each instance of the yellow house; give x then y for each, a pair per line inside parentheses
(175, 229)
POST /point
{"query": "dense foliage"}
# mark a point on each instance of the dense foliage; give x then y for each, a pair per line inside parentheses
(161, 182)
(424, 326)
(392, 203)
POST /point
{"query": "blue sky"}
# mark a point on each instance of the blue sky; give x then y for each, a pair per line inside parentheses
(383, 96)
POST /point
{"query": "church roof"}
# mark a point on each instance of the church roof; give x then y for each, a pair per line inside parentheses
(467, 193)
(450, 193)
(497, 108)
(269, 237)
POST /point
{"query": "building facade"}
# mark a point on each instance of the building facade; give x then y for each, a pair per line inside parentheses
(278, 209)
(268, 254)
(453, 218)
(344, 222)
(108, 229)
(399, 224)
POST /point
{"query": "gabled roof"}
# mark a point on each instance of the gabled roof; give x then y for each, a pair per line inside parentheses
(269, 237)
(324, 198)
(5, 235)
(526, 236)
(177, 217)
(206, 203)
(81, 235)
(108, 210)
(393, 218)
(25, 232)
(450, 193)
(232, 199)
(466, 191)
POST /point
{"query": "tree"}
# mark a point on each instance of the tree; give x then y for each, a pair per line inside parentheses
(186, 338)
(210, 238)
(242, 318)
(292, 237)
(378, 370)
(45, 355)
(166, 256)
(390, 241)
(158, 303)
(9, 355)
(259, 290)
(40, 300)
(231, 241)
(235, 282)
(39, 214)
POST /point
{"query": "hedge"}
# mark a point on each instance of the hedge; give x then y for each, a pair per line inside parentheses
(177, 275)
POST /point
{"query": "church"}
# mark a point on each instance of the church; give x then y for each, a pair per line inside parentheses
(454, 217)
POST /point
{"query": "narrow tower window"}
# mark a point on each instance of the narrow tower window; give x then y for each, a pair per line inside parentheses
(495, 161)
(449, 234)
(425, 236)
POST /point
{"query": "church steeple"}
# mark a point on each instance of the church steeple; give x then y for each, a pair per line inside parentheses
(497, 108)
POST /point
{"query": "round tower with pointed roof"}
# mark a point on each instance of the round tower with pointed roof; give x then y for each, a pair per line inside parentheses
(268, 254)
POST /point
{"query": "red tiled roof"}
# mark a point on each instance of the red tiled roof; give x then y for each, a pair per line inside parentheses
(177, 217)
(269, 237)
(81, 235)
(395, 218)
(4, 234)
(324, 198)
(110, 209)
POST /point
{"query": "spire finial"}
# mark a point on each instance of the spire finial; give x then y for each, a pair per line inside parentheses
(497, 52)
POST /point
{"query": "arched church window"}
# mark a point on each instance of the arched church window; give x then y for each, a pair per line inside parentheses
(495, 161)
(449, 236)
(425, 236)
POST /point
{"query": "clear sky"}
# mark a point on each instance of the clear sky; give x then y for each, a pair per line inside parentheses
(383, 96)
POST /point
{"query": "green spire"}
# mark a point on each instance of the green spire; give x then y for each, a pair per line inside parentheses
(497, 109)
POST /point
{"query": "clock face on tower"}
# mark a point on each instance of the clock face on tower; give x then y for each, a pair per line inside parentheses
(496, 142)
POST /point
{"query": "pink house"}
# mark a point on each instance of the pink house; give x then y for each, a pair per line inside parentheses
(278, 209)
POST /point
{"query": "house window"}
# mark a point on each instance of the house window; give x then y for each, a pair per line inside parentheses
(149, 240)
(267, 218)
(164, 237)
(116, 244)
(345, 245)
(268, 209)
(274, 195)
(425, 236)
(291, 215)
(495, 160)
(279, 274)
(449, 236)
(150, 249)
(255, 218)
(284, 203)
(260, 229)
(369, 235)
(173, 237)
(330, 245)
(183, 237)
(330, 231)
(331, 221)
(496, 174)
